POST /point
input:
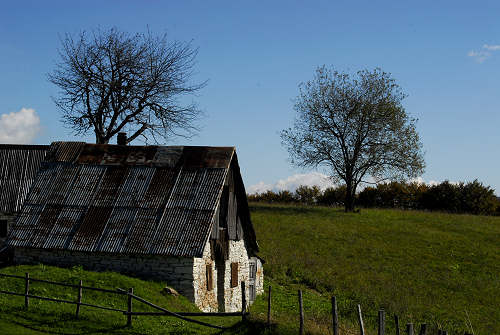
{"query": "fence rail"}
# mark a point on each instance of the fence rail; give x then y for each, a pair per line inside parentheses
(381, 321)
(130, 297)
(186, 315)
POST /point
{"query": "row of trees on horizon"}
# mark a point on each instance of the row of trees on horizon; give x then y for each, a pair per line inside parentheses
(471, 197)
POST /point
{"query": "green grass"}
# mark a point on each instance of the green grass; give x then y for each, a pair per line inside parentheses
(426, 267)
(53, 318)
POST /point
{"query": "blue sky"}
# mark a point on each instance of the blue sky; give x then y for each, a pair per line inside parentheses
(445, 56)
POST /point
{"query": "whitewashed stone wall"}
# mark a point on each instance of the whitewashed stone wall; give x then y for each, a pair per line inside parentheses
(237, 253)
(259, 280)
(205, 299)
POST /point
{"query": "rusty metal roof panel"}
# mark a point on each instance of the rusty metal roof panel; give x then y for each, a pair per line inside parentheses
(25, 226)
(88, 233)
(116, 230)
(142, 231)
(191, 157)
(120, 199)
(61, 184)
(135, 186)
(63, 229)
(46, 222)
(110, 186)
(18, 167)
(64, 151)
(85, 185)
(44, 182)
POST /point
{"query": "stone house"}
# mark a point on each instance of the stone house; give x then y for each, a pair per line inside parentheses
(176, 214)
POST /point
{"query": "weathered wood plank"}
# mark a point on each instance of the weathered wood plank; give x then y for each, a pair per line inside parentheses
(360, 319)
(335, 316)
(301, 313)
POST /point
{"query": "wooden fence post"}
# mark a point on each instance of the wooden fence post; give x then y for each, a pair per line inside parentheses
(129, 306)
(396, 322)
(243, 302)
(26, 290)
(360, 319)
(335, 316)
(301, 311)
(423, 329)
(409, 328)
(381, 322)
(79, 301)
(269, 308)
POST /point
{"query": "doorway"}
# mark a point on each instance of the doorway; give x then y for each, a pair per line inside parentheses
(220, 264)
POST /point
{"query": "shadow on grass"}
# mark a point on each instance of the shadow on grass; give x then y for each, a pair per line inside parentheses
(249, 327)
(104, 330)
(49, 326)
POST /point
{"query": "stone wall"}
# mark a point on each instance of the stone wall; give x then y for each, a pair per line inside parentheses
(259, 280)
(205, 299)
(237, 254)
(177, 272)
(186, 275)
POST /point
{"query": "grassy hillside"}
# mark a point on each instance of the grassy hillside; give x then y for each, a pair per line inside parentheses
(430, 267)
(52, 318)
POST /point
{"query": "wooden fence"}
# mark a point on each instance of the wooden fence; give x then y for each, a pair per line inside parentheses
(128, 294)
(410, 329)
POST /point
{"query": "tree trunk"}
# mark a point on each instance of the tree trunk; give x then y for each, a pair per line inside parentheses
(100, 139)
(349, 197)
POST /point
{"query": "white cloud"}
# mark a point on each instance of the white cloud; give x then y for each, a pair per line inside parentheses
(480, 55)
(19, 127)
(484, 53)
(260, 187)
(293, 182)
(315, 178)
(495, 47)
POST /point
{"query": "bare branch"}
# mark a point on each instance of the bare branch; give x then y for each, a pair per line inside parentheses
(111, 80)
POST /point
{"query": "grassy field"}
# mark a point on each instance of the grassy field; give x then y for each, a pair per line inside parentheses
(426, 267)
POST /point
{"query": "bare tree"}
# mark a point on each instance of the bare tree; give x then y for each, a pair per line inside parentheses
(357, 127)
(112, 81)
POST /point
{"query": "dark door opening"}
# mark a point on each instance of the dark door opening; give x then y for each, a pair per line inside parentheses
(3, 228)
(220, 264)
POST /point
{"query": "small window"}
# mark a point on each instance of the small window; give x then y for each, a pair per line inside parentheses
(234, 274)
(252, 294)
(209, 277)
(3, 228)
(253, 270)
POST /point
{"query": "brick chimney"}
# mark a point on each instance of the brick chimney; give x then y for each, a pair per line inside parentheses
(121, 139)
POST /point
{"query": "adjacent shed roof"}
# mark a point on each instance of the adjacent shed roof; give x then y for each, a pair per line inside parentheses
(124, 199)
(18, 167)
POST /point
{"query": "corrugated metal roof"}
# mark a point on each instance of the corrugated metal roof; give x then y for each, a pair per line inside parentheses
(18, 167)
(124, 199)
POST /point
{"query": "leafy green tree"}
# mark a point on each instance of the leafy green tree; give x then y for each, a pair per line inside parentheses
(356, 126)
(307, 194)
